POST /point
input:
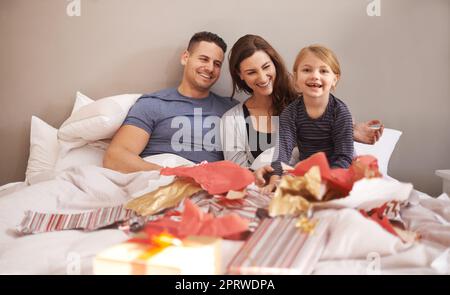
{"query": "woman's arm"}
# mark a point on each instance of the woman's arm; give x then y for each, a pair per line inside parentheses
(365, 132)
(233, 140)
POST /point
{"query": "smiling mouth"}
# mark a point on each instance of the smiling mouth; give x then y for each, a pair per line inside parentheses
(314, 85)
(205, 76)
(264, 85)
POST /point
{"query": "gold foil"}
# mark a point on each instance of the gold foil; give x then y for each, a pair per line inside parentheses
(164, 197)
(308, 186)
(288, 205)
(294, 194)
(306, 225)
(312, 181)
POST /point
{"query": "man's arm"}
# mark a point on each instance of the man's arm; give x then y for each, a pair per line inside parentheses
(123, 153)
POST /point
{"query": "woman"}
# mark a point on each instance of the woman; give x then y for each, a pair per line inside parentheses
(247, 130)
(257, 69)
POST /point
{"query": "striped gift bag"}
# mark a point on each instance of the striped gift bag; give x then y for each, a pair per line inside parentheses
(38, 222)
(279, 247)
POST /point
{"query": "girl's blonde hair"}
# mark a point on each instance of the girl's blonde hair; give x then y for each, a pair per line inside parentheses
(324, 54)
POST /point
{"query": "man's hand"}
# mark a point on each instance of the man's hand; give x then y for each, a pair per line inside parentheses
(364, 133)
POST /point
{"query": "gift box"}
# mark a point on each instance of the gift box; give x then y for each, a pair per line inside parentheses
(195, 255)
(278, 246)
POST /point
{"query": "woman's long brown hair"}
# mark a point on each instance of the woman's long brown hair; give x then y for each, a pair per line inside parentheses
(283, 88)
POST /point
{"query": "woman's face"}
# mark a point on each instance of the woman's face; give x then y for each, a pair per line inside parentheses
(314, 78)
(259, 73)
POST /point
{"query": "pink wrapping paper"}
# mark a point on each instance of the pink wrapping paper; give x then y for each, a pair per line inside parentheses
(217, 177)
(195, 222)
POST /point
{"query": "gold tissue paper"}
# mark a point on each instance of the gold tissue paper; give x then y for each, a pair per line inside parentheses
(164, 197)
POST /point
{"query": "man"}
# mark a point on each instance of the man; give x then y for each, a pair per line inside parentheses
(153, 124)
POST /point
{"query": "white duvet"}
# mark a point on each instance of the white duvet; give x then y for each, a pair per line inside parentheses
(355, 245)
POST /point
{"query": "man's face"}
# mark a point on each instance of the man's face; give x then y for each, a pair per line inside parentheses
(202, 65)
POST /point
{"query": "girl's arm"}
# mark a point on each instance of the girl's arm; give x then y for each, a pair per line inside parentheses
(342, 137)
(287, 137)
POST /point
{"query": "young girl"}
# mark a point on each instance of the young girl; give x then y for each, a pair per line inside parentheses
(317, 121)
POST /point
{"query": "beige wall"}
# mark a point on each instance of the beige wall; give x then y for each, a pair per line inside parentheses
(395, 66)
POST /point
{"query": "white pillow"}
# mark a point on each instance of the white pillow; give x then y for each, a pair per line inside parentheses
(43, 151)
(80, 101)
(97, 120)
(382, 149)
(168, 160)
(266, 158)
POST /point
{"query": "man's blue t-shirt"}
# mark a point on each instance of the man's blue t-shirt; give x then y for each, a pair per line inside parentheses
(188, 127)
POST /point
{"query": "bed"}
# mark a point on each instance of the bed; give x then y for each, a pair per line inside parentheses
(64, 174)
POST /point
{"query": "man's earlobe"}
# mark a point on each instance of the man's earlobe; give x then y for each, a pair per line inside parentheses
(184, 57)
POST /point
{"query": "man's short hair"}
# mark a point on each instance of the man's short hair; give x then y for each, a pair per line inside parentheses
(208, 37)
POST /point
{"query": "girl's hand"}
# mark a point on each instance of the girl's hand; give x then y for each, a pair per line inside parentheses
(274, 180)
(260, 173)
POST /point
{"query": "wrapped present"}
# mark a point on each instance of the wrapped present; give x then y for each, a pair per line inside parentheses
(39, 222)
(194, 255)
(278, 246)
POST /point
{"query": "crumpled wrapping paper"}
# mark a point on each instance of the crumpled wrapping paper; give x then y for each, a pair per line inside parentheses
(371, 193)
(339, 181)
(195, 222)
(294, 193)
(359, 187)
(217, 177)
(164, 197)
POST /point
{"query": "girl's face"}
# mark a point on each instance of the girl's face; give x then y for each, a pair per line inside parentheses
(314, 78)
(259, 73)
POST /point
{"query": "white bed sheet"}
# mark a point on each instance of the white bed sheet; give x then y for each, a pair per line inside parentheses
(11, 187)
(352, 239)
